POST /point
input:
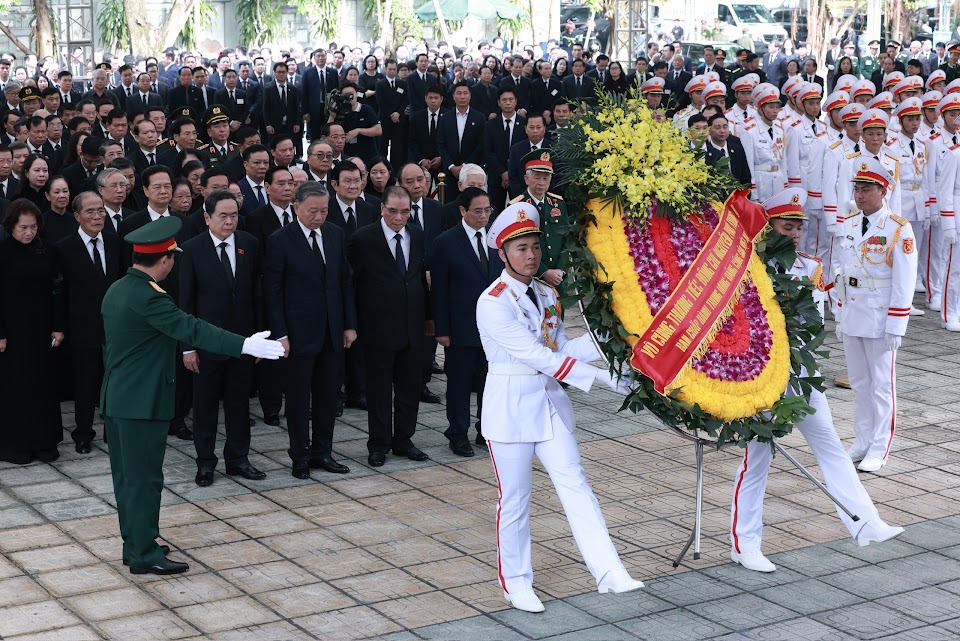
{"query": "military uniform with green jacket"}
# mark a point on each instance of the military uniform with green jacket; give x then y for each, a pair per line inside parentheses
(554, 223)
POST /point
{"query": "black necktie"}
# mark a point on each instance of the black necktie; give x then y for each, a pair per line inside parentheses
(856, 147)
(143, 97)
(484, 261)
(260, 195)
(401, 263)
(416, 216)
(116, 219)
(151, 158)
(225, 261)
(533, 297)
(129, 91)
(813, 126)
(770, 131)
(3, 191)
(316, 250)
(232, 98)
(913, 148)
(97, 261)
(351, 220)
(321, 73)
(433, 123)
(954, 138)
(154, 88)
(864, 226)
(286, 218)
(283, 96)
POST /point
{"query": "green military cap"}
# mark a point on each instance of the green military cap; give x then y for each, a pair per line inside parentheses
(538, 160)
(185, 112)
(158, 237)
(215, 114)
(29, 93)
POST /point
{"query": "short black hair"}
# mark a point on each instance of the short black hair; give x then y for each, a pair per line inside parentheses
(276, 140)
(715, 117)
(273, 171)
(252, 149)
(342, 166)
(152, 171)
(694, 119)
(216, 196)
(211, 173)
(468, 194)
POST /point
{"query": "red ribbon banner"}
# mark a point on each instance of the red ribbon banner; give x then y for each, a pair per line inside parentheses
(687, 319)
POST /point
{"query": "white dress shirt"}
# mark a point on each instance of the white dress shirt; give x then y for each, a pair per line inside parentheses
(307, 231)
(392, 244)
(155, 215)
(343, 209)
(231, 248)
(278, 210)
(86, 242)
(472, 237)
(111, 214)
(461, 122)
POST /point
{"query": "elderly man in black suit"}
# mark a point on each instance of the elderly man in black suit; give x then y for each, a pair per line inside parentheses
(460, 136)
(388, 261)
(577, 86)
(311, 308)
(536, 138)
(143, 98)
(461, 267)
(89, 262)
(720, 144)
(220, 283)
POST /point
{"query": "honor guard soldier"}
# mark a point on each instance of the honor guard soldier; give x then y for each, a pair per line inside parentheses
(846, 83)
(950, 261)
(143, 325)
(942, 233)
(552, 211)
(930, 126)
(806, 146)
(952, 87)
(873, 135)
(870, 62)
(763, 142)
(834, 103)
(838, 193)
(937, 81)
(884, 102)
(742, 113)
(909, 87)
(694, 89)
(863, 92)
(875, 270)
(891, 80)
(652, 91)
(785, 215)
(915, 171)
(521, 329)
(220, 149)
(790, 111)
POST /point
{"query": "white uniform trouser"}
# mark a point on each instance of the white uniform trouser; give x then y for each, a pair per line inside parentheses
(838, 471)
(816, 238)
(513, 464)
(873, 377)
(951, 284)
(932, 261)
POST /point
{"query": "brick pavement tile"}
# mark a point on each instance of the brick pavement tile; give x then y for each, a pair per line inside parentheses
(39, 536)
(376, 485)
(336, 513)
(926, 633)
(808, 597)
(106, 549)
(110, 604)
(867, 620)
(361, 622)
(231, 555)
(230, 507)
(277, 630)
(228, 614)
(618, 607)
(599, 633)
(929, 567)
(54, 558)
(373, 531)
(73, 581)
(412, 551)
(686, 588)
(424, 609)
(932, 535)
(485, 597)
(802, 628)
(160, 625)
(300, 544)
(72, 633)
(97, 484)
(29, 475)
(401, 502)
(91, 528)
(672, 625)
(386, 585)
(743, 611)
(875, 553)
(191, 492)
(874, 582)
(337, 564)
(735, 575)
(930, 605)
(564, 581)
(183, 514)
(34, 617)
(452, 573)
(469, 541)
(190, 589)
(817, 529)
(204, 534)
(266, 577)
(304, 600)
(815, 561)
(560, 618)
(21, 590)
(75, 508)
(271, 523)
(928, 506)
(480, 628)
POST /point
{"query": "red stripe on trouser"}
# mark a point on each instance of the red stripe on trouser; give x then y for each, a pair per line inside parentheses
(893, 401)
(503, 582)
(736, 498)
(929, 250)
(946, 286)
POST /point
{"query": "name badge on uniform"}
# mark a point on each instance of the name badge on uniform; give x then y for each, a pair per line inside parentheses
(553, 93)
(239, 101)
(399, 89)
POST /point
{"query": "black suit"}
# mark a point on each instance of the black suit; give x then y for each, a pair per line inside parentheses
(717, 67)
(76, 176)
(208, 292)
(314, 91)
(140, 159)
(777, 70)
(515, 164)
(211, 95)
(738, 159)
(484, 98)
(544, 94)
(393, 100)
(676, 84)
(83, 288)
(74, 96)
(310, 301)
(181, 96)
(418, 89)
(254, 94)
(521, 89)
(238, 108)
(283, 117)
(497, 154)
(429, 219)
(585, 91)
(250, 199)
(458, 278)
(423, 145)
(135, 104)
(392, 305)
(455, 151)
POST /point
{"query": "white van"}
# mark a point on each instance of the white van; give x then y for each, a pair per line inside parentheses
(734, 18)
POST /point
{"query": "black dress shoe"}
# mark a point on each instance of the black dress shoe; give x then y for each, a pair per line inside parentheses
(301, 471)
(426, 396)
(83, 447)
(272, 419)
(165, 548)
(376, 459)
(339, 408)
(482, 442)
(253, 421)
(165, 566)
(327, 463)
(183, 433)
(204, 478)
(461, 448)
(413, 454)
(247, 471)
(356, 404)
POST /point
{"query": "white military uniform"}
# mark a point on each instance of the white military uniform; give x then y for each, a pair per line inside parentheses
(526, 412)
(950, 258)
(875, 273)
(746, 514)
(681, 117)
(765, 156)
(933, 251)
(805, 152)
(739, 118)
(916, 183)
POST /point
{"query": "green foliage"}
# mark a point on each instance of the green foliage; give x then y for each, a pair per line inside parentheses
(112, 27)
(510, 30)
(259, 21)
(188, 37)
(322, 15)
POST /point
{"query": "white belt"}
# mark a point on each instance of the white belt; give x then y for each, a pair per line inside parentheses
(914, 186)
(511, 369)
(868, 283)
(805, 164)
(767, 168)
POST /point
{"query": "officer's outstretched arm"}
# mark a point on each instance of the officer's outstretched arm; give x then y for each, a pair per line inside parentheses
(164, 316)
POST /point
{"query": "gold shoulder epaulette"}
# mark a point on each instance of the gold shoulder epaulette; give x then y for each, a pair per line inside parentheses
(518, 199)
(157, 287)
(851, 215)
(853, 155)
(897, 219)
(816, 258)
(891, 157)
(551, 287)
(560, 198)
(836, 143)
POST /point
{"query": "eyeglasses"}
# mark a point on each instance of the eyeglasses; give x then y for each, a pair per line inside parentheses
(324, 156)
(481, 210)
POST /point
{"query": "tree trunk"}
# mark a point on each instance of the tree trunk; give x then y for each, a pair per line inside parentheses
(144, 36)
(19, 44)
(43, 30)
(444, 31)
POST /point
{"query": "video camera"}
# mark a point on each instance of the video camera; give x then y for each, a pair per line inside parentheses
(339, 103)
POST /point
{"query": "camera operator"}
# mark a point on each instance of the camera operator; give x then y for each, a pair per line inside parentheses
(360, 123)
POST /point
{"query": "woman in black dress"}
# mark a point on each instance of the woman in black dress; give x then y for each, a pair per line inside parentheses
(368, 82)
(616, 84)
(58, 220)
(33, 180)
(31, 326)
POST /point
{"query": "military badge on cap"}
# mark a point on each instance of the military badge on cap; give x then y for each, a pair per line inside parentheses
(872, 170)
(654, 85)
(787, 204)
(215, 114)
(185, 112)
(538, 160)
(29, 93)
(519, 219)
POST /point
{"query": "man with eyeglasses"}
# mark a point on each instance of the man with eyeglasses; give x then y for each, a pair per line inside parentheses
(89, 261)
(319, 162)
(112, 188)
(461, 268)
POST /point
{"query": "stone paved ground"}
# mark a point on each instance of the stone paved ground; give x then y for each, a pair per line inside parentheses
(408, 551)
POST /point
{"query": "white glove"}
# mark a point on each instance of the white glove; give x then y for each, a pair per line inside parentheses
(837, 231)
(620, 385)
(892, 341)
(839, 333)
(259, 346)
(925, 224)
(950, 236)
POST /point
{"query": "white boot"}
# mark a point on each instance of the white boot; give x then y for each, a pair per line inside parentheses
(618, 581)
(525, 600)
(753, 561)
(876, 531)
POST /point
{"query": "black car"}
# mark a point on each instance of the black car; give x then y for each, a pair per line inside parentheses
(785, 17)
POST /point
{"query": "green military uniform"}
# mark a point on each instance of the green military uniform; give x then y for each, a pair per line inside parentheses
(217, 114)
(868, 64)
(953, 72)
(143, 326)
(554, 223)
